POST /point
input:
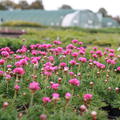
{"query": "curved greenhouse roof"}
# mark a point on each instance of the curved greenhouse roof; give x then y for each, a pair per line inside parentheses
(81, 18)
(39, 16)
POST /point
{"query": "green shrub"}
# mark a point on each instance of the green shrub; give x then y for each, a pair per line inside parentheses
(21, 24)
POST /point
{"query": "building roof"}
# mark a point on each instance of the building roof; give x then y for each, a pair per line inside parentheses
(39, 16)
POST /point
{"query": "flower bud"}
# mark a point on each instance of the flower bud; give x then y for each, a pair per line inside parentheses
(43, 117)
(59, 80)
(117, 90)
(5, 104)
(91, 84)
(109, 88)
(107, 76)
(94, 115)
(83, 108)
(20, 115)
(106, 81)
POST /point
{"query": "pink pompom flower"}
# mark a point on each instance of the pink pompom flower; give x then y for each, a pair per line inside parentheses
(34, 86)
(118, 68)
(55, 96)
(87, 97)
(74, 82)
(46, 100)
(68, 96)
(55, 86)
(19, 70)
(82, 59)
(17, 87)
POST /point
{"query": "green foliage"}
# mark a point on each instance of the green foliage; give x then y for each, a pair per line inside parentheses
(20, 102)
(47, 35)
(21, 24)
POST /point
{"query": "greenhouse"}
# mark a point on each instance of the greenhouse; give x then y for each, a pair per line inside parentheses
(82, 18)
(64, 18)
(109, 22)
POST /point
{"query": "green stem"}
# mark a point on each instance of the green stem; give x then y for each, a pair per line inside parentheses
(31, 102)
(7, 85)
(14, 98)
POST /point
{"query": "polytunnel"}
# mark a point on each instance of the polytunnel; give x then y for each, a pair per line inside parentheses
(44, 17)
(109, 22)
(82, 18)
(64, 18)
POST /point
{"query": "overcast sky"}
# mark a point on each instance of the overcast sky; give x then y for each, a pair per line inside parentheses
(112, 6)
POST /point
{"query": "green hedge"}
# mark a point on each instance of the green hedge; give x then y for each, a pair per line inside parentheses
(21, 24)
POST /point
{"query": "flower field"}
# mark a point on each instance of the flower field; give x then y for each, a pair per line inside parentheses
(52, 82)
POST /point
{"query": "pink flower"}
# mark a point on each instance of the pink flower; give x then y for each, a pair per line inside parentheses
(34, 86)
(70, 46)
(51, 58)
(18, 64)
(67, 96)
(94, 55)
(80, 43)
(2, 61)
(66, 69)
(8, 77)
(118, 68)
(111, 55)
(75, 54)
(87, 97)
(55, 96)
(9, 66)
(55, 86)
(63, 64)
(113, 62)
(92, 52)
(99, 53)
(17, 87)
(34, 61)
(4, 53)
(109, 61)
(82, 59)
(18, 57)
(111, 50)
(74, 81)
(73, 62)
(47, 73)
(95, 48)
(46, 100)
(74, 41)
(71, 73)
(19, 71)
(57, 42)
(99, 65)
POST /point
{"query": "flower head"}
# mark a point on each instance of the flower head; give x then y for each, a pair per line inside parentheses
(55, 96)
(87, 97)
(19, 70)
(46, 100)
(34, 86)
(74, 81)
(67, 96)
(17, 87)
(55, 86)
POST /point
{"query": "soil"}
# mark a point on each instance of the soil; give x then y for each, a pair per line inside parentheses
(113, 113)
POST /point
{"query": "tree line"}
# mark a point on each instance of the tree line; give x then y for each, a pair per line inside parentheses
(22, 4)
